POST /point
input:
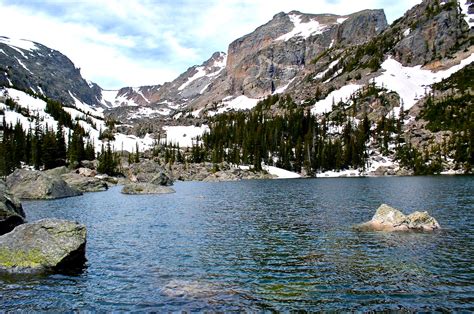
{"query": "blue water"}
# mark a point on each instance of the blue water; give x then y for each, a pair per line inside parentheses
(261, 245)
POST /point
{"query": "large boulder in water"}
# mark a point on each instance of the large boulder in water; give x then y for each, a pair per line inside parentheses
(45, 245)
(33, 184)
(85, 183)
(146, 188)
(149, 171)
(11, 211)
(387, 218)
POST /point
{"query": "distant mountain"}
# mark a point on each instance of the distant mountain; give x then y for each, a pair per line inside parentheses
(323, 62)
(260, 63)
(31, 66)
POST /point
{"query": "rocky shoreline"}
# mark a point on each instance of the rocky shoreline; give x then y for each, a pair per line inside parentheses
(149, 176)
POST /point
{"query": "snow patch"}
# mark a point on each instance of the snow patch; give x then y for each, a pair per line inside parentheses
(343, 93)
(184, 136)
(85, 107)
(301, 29)
(332, 65)
(282, 89)
(108, 98)
(219, 63)
(23, 65)
(465, 11)
(200, 73)
(412, 83)
(241, 102)
(341, 20)
(197, 112)
(406, 32)
(19, 43)
(280, 173)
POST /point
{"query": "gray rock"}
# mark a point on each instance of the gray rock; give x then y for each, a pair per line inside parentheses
(45, 245)
(162, 179)
(146, 188)
(149, 171)
(11, 211)
(85, 183)
(388, 218)
(32, 184)
(56, 172)
(50, 69)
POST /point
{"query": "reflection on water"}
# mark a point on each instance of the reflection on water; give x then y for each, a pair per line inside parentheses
(262, 245)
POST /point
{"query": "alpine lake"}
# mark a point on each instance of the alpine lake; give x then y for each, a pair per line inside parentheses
(269, 245)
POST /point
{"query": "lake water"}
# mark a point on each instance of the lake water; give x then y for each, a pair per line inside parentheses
(261, 245)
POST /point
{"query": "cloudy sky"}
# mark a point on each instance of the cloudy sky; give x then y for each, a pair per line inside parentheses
(119, 43)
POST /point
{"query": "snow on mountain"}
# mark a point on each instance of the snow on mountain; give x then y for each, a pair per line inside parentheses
(330, 66)
(20, 45)
(302, 29)
(208, 71)
(229, 103)
(413, 83)
(468, 14)
(89, 118)
(282, 89)
(109, 98)
(342, 94)
(184, 136)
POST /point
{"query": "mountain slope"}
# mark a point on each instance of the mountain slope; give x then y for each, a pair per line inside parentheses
(260, 63)
(31, 66)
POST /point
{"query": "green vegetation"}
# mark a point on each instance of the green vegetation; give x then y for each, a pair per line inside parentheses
(42, 147)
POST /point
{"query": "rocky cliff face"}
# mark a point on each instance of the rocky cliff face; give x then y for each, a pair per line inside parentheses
(431, 30)
(276, 52)
(31, 66)
(256, 65)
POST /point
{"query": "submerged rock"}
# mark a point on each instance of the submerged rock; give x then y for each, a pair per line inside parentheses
(388, 218)
(11, 211)
(45, 245)
(146, 188)
(32, 184)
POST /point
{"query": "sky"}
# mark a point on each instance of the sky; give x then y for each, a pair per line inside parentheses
(118, 43)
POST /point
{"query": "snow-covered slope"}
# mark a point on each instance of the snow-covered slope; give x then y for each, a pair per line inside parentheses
(413, 83)
(302, 29)
(90, 119)
(27, 65)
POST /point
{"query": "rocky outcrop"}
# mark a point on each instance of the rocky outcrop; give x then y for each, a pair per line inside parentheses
(32, 184)
(388, 218)
(85, 183)
(430, 31)
(146, 188)
(272, 55)
(42, 246)
(32, 66)
(11, 211)
(149, 171)
(208, 172)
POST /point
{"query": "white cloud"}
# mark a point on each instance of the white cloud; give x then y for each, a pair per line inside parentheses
(130, 43)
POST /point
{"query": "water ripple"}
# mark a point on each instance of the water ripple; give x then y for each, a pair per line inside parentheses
(261, 246)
